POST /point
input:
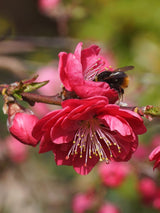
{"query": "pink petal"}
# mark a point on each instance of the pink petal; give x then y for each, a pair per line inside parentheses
(21, 128)
(117, 124)
(63, 58)
(80, 167)
(78, 50)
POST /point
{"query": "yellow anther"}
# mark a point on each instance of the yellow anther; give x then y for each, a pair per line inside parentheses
(4, 91)
(136, 109)
(96, 78)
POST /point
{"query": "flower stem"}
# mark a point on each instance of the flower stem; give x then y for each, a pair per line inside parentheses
(148, 111)
(32, 98)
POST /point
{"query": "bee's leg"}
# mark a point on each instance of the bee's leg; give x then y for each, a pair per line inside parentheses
(120, 101)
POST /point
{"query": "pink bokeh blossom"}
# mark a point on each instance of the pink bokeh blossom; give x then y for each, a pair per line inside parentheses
(82, 202)
(108, 208)
(156, 200)
(17, 151)
(150, 192)
(142, 152)
(147, 189)
(52, 88)
(114, 174)
(47, 5)
(54, 85)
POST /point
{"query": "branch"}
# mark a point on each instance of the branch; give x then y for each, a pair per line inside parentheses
(21, 90)
(148, 111)
(32, 98)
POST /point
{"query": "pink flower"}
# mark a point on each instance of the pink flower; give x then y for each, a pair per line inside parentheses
(54, 85)
(89, 130)
(46, 5)
(108, 208)
(147, 189)
(114, 174)
(150, 192)
(156, 200)
(40, 109)
(17, 151)
(78, 71)
(155, 156)
(52, 88)
(82, 202)
(155, 141)
(141, 153)
(20, 126)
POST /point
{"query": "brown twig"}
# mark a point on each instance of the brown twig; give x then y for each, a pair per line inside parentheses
(32, 98)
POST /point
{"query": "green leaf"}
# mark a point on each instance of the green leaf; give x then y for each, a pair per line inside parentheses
(34, 86)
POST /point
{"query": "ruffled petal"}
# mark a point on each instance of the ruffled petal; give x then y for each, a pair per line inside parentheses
(62, 69)
(117, 124)
(80, 167)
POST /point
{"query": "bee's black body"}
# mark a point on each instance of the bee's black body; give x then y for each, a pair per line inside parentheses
(117, 79)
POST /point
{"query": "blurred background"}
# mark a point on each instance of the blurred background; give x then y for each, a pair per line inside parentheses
(32, 33)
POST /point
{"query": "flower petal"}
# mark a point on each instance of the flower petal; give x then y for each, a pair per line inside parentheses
(118, 124)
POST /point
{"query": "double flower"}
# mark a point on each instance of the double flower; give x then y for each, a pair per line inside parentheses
(90, 127)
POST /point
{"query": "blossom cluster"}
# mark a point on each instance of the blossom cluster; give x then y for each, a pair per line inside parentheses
(91, 126)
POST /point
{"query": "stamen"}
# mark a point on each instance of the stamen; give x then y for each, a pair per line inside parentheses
(90, 141)
(92, 71)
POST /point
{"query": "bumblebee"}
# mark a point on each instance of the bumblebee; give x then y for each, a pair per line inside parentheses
(117, 79)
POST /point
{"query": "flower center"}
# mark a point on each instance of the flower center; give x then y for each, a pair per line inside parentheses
(93, 139)
(94, 69)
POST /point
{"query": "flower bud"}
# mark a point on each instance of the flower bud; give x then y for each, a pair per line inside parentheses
(108, 207)
(147, 189)
(47, 5)
(20, 124)
(16, 151)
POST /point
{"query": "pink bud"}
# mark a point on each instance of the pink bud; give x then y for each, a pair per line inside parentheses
(147, 189)
(108, 207)
(17, 151)
(54, 85)
(82, 202)
(20, 126)
(156, 201)
(113, 174)
(48, 4)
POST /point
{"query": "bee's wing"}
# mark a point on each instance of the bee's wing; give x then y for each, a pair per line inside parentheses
(113, 74)
(124, 69)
